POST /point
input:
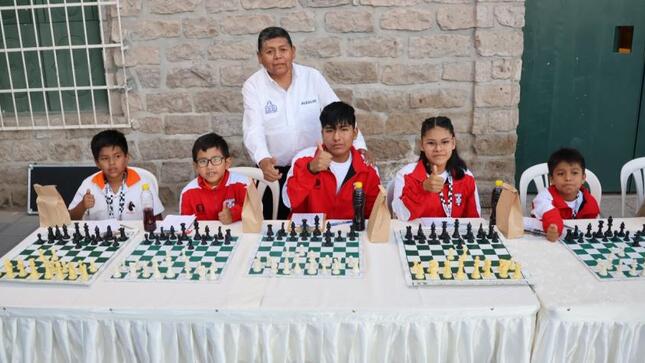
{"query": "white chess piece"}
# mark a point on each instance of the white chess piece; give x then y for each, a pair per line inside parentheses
(201, 271)
(633, 271)
(335, 267)
(312, 267)
(117, 273)
(155, 270)
(621, 252)
(212, 272)
(287, 267)
(257, 265)
(146, 272)
(602, 266)
(133, 270)
(297, 269)
(170, 273)
(326, 261)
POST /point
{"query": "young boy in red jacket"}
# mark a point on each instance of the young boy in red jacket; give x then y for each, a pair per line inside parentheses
(321, 179)
(566, 197)
(216, 193)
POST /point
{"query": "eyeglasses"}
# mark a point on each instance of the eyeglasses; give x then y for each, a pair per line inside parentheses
(215, 160)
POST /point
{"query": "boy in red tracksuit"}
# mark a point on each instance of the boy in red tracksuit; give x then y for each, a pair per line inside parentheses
(216, 193)
(566, 198)
(321, 178)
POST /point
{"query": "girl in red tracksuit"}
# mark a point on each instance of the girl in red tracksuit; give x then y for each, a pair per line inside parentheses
(439, 184)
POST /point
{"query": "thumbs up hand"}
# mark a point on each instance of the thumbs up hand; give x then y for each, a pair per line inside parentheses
(552, 233)
(225, 215)
(434, 182)
(321, 161)
(88, 200)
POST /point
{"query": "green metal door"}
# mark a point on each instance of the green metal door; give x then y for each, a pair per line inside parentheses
(580, 86)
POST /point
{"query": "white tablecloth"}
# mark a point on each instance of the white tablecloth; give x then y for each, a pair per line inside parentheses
(582, 319)
(376, 318)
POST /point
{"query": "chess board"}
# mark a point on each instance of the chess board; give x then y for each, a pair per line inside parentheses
(182, 253)
(299, 249)
(421, 250)
(86, 249)
(621, 252)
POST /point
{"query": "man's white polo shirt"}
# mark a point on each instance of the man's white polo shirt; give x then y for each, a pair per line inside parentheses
(279, 123)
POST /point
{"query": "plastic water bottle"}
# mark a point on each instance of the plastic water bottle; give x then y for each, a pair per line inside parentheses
(497, 192)
(148, 205)
(359, 207)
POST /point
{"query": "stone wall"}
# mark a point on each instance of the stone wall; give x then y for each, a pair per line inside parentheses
(396, 61)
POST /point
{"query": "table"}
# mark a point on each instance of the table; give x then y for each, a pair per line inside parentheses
(376, 318)
(582, 319)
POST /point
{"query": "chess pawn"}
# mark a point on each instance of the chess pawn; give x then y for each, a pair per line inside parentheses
(33, 271)
(287, 267)
(72, 275)
(8, 269)
(503, 268)
(257, 265)
(93, 268)
(433, 269)
(451, 254)
(417, 270)
(201, 272)
(487, 269)
(336, 267)
(297, 269)
(447, 271)
(83, 272)
(460, 271)
(212, 272)
(21, 269)
(476, 275)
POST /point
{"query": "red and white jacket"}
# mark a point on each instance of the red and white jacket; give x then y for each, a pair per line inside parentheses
(316, 193)
(551, 208)
(411, 201)
(205, 203)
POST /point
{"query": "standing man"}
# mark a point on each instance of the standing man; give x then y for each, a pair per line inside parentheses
(282, 104)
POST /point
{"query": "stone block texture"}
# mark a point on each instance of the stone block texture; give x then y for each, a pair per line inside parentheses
(396, 61)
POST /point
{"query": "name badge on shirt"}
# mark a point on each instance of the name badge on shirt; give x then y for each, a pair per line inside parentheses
(308, 102)
(270, 108)
(230, 203)
(458, 199)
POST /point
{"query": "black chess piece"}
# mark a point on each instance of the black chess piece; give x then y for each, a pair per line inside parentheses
(304, 232)
(495, 237)
(122, 237)
(455, 232)
(97, 234)
(293, 236)
(108, 233)
(480, 232)
(282, 232)
(328, 230)
(420, 235)
(146, 241)
(204, 242)
(408, 237)
(575, 232)
(569, 236)
(352, 233)
(600, 233)
(433, 231)
(227, 237)
(190, 245)
(65, 232)
(115, 243)
(162, 234)
(610, 222)
(77, 228)
(172, 236)
(157, 242)
(197, 236)
(643, 230)
(57, 234)
(317, 231)
(196, 224)
(327, 242)
(581, 238)
(444, 230)
(304, 224)
(78, 244)
(40, 240)
(588, 234)
(469, 231)
(491, 230)
(182, 227)
(207, 232)
(219, 233)
(621, 232)
(269, 230)
(626, 236)
(339, 237)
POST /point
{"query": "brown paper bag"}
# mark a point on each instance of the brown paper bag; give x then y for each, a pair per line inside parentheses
(509, 213)
(252, 217)
(52, 210)
(378, 225)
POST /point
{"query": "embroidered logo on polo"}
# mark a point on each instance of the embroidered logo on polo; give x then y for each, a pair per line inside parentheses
(270, 108)
(308, 102)
(229, 203)
(458, 198)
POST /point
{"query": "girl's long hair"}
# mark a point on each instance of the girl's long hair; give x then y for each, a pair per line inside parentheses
(455, 165)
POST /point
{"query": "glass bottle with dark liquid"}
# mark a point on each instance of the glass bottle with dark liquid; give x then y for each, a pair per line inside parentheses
(359, 207)
(147, 203)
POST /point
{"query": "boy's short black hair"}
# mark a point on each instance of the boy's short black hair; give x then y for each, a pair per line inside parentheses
(208, 141)
(271, 33)
(337, 113)
(108, 138)
(569, 155)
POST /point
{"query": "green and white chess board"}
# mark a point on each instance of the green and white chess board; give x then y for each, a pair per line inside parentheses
(609, 254)
(308, 257)
(417, 253)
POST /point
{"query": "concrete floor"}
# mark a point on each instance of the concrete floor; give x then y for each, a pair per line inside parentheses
(15, 224)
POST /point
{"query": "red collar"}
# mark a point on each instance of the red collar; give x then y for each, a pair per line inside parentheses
(204, 184)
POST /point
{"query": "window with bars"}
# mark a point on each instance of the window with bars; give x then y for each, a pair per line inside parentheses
(55, 65)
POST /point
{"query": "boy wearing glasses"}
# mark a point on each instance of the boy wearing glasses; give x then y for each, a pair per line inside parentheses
(216, 193)
(115, 191)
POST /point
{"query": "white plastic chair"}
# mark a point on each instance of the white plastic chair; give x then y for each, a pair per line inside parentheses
(256, 173)
(539, 174)
(635, 168)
